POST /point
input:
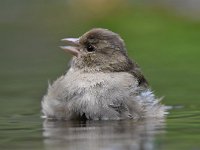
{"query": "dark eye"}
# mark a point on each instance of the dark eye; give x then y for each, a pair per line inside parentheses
(90, 48)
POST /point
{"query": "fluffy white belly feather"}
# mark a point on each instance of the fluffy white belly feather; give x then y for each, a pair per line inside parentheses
(99, 96)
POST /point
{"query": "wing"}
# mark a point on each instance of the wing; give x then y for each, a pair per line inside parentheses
(137, 73)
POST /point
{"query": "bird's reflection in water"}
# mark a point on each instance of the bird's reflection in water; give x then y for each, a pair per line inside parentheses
(102, 135)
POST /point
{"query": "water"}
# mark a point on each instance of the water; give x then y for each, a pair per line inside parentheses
(165, 45)
(179, 131)
(108, 135)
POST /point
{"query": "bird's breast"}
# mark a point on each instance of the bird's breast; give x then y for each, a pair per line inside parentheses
(99, 80)
(97, 87)
(93, 94)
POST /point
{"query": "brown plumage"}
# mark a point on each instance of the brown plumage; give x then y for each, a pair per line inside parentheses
(110, 54)
(101, 83)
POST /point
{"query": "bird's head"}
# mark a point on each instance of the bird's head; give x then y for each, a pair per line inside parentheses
(98, 50)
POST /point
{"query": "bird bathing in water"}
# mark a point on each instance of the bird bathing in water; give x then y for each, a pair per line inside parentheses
(102, 83)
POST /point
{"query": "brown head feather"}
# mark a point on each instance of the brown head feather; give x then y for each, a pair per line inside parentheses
(108, 54)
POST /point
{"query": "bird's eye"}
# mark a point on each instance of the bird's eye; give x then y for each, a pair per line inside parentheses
(90, 48)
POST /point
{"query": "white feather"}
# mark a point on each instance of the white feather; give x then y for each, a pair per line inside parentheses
(99, 96)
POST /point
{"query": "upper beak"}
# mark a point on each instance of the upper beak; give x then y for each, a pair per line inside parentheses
(73, 46)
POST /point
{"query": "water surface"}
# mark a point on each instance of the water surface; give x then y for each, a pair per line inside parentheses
(164, 44)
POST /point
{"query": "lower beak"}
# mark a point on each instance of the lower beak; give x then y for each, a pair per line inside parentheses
(73, 48)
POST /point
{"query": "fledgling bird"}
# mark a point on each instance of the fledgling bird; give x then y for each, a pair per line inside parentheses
(102, 83)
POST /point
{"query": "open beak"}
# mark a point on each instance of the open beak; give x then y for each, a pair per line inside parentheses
(73, 46)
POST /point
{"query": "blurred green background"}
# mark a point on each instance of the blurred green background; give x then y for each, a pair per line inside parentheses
(162, 37)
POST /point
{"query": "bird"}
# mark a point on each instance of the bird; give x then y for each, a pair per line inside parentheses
(101, 83)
